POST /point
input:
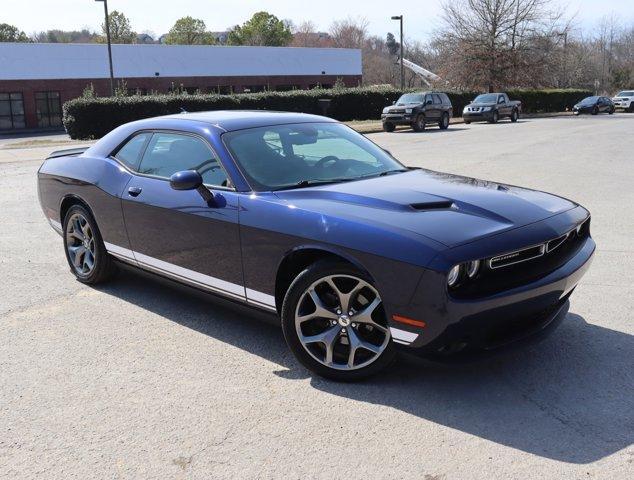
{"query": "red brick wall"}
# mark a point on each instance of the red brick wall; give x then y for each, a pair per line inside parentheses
(73, 88)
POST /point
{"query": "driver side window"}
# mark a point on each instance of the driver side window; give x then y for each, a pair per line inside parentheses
(500, 99)
(168, 153)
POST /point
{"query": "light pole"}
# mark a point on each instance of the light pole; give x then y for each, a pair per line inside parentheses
(105, 9)
(400, 18)
(565, 35)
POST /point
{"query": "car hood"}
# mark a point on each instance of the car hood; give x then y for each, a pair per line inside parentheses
(481, 105)
(446, 208)
(401, 106)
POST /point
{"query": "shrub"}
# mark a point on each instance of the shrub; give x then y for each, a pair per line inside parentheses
(94, 117)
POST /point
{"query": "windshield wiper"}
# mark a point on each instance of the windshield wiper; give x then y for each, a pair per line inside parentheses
(311, 183)
(389, 172)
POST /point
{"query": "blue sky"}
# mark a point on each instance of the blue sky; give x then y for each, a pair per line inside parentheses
(421, 17)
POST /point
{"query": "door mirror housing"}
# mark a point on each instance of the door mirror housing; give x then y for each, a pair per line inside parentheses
(192, 180)
(428, 102)
(186, 180)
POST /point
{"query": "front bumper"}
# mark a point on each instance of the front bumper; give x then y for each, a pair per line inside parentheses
(485, 323)
(579, 110)
(477, 116)
(397, 118)
(622, 104)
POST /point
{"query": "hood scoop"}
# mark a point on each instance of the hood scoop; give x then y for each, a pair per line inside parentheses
(433, 205)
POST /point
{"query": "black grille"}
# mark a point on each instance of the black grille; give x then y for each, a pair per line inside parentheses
(493, 280)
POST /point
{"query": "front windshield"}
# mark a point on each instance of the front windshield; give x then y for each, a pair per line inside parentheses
(297, 155)
(589, 100)
(486, 98)
(410, 98)
(628, 93)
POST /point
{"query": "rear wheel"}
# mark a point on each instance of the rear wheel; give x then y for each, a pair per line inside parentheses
(334, 322)
(419, 124)
(467, 122)
(444, 121)
(514, 116)
(388, 127)
(86, 254)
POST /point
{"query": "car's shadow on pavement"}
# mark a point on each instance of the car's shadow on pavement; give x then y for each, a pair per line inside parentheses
(557, 399)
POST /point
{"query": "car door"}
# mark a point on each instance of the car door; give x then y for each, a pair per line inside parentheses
(438, 107)
(503, 107)
(176, 233)
(431, 112)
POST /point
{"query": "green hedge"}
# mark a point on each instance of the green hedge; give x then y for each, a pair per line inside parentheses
(94, 117)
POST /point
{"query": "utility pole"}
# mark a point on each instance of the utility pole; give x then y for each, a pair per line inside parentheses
(400, 19)
(105, 9)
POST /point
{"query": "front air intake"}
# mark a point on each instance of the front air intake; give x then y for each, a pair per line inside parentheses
(518, 256)
(439, 205)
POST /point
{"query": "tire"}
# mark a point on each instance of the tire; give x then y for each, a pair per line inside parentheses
(388, 127)
(467, 122)
(85, 252)
(420, 123)
(631, 107)
(595, 111)
(611, 111)
(515, 116)
(495, 117)
(319, 337)
(444, 121)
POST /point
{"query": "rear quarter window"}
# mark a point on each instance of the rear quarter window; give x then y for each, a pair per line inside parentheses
(130, 153)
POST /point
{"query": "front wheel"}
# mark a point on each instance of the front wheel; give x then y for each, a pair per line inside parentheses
(444, 121)
(388, 127)
(595, 111)
(334, 322)
(419, 124)
(514, 116)
(611, 111)
(86, 254)
(495, 117)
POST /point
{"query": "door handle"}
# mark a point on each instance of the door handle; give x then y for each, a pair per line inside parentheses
(134, 191)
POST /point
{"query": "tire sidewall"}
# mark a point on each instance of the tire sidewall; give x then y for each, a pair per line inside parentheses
(444, 121)
(420, 123)
(102, 262)
(293, 295)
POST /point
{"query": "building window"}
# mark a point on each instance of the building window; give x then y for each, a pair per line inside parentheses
(11, 111)
(137, 91)
(49, 109)
(221, 89)
(287, 88)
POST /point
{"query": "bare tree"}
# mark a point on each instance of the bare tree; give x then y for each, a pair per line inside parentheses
(494, 43)
(349, 33)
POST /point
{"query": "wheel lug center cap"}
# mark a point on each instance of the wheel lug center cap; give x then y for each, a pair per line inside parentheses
(344, 320)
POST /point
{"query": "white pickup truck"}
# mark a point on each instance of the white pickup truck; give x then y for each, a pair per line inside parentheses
(624, 100)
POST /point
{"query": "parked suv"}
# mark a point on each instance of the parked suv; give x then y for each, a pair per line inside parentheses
(418, 110)
(624, 100)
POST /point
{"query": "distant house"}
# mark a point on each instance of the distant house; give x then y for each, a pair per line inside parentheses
(37, 78)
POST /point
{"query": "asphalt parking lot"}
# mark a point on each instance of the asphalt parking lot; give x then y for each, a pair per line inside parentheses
(136, 379)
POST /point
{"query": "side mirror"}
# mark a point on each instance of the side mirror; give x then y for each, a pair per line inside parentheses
(428, 102)
(192, 180)
(186, 180)
(394, 102)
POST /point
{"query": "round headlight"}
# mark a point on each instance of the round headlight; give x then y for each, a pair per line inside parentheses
(453, 276)
(472, 268)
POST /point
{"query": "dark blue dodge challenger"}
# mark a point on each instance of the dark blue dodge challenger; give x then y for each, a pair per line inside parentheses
(300, 215)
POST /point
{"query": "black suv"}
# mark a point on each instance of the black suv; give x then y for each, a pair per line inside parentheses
(418, 110)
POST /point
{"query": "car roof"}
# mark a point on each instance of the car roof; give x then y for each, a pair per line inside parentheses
(230, 120)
